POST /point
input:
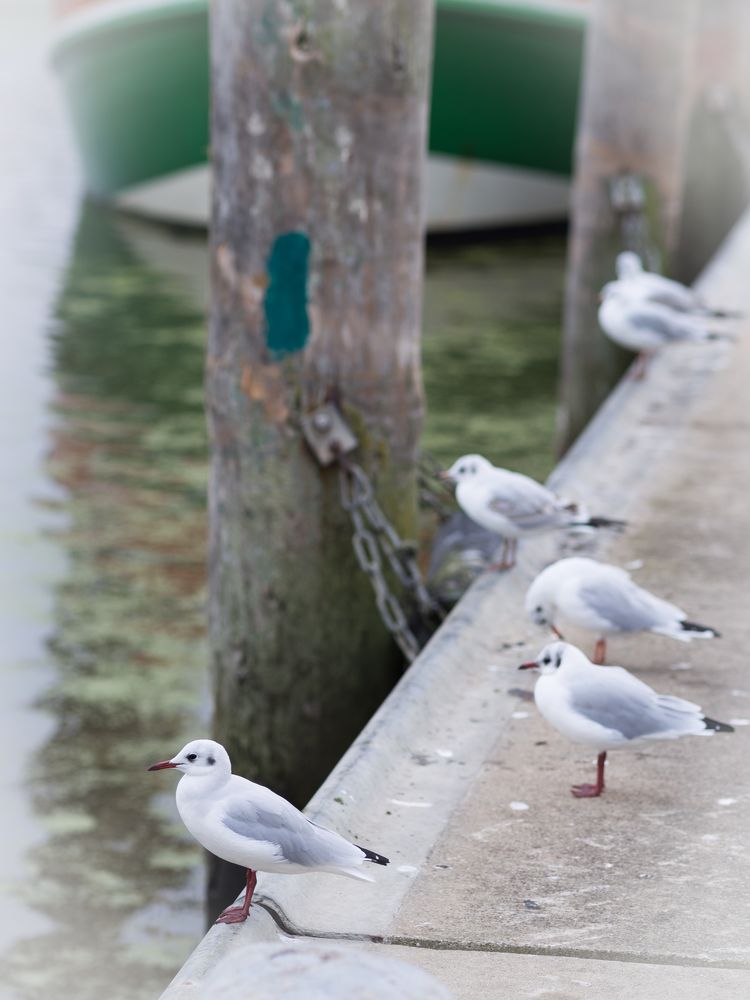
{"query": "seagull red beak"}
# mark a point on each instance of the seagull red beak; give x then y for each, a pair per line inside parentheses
(445, 476)
(161, 765)
(531, 665)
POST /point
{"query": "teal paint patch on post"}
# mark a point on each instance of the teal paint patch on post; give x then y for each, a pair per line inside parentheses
(285, 301)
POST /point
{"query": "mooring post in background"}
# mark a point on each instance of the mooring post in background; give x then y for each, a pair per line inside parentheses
(717, 172)
(634, 114)
(319, 133)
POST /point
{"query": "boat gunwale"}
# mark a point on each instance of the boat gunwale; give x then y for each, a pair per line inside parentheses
(114, 15)
(552, 13)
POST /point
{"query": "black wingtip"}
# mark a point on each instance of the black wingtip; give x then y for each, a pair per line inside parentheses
(377, 859)
(726, 314)
(697, 627)
(606, 522)
(718, 727)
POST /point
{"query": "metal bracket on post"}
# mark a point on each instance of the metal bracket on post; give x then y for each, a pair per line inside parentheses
(328, 434)
(627, 196)
(626, 193)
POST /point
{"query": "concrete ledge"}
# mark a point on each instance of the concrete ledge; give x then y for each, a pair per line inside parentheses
(398, 787)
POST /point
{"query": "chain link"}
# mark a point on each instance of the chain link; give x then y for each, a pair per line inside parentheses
(375, 538)
(434, 492)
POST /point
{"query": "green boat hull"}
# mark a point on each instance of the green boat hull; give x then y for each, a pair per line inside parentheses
(136, 79)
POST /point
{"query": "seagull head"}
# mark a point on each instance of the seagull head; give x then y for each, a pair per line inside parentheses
(550, 659)
(466, 467)
(199, 759)
(612, 290)
(541, 598)
(628, 265)
(541, 611)
(540, 602)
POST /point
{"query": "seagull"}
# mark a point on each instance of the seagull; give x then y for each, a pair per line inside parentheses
(643, 326)
(250, 825)
(653, 287)
(607, 708)
(604, 599)
(512, 505)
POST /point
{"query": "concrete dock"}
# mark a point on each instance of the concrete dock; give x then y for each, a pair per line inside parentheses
(501, 884)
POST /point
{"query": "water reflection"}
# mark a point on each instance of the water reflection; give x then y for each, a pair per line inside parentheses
(115, 873)
(490, 351)
(113, 881)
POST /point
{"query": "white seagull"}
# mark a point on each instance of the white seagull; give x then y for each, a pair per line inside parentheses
(250, 825)
(644, 327)
(512, 505)
(603, 599)
(607, 708)
(666, 291)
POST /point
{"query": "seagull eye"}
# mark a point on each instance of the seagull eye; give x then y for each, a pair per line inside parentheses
(192, 756)
(546, 659)
(540, 610)
(462, 470)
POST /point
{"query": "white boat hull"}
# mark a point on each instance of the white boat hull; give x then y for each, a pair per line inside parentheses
(461, 194)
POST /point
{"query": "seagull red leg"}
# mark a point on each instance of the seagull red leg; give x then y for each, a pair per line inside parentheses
(592, 791)
(639, 369)
(504, 561)
(238, 914)
(600, 651)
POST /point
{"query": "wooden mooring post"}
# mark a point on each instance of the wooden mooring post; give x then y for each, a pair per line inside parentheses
(319, 123)
(634, 116)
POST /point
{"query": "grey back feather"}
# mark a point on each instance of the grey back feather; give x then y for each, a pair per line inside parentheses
(631, 708)
(300, 841)
(625, 605)
(660, 325)
(527, 504)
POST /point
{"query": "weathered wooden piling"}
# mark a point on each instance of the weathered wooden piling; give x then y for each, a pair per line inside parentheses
(634, 115)
(318, 140)
(717, 173)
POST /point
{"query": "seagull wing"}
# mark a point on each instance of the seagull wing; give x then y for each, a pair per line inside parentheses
(667, 292)
(298, 841)
(623, 605)
(615, 699)
(659, 323)
(525, 502)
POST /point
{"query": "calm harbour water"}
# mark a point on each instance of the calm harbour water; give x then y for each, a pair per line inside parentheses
(102, 543)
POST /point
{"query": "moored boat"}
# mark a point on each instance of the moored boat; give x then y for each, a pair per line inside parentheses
(504, 100)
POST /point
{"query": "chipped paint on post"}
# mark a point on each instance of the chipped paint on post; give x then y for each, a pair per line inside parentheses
(285, 301)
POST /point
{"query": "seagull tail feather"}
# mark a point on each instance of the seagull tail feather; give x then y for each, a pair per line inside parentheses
(725, 313)
(601, 522)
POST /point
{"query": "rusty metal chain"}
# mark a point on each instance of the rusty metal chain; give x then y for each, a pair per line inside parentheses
(434, 492)
(374, 539)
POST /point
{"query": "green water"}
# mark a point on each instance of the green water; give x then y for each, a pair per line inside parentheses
(114, 873)
(123, 663)
(490, 351)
